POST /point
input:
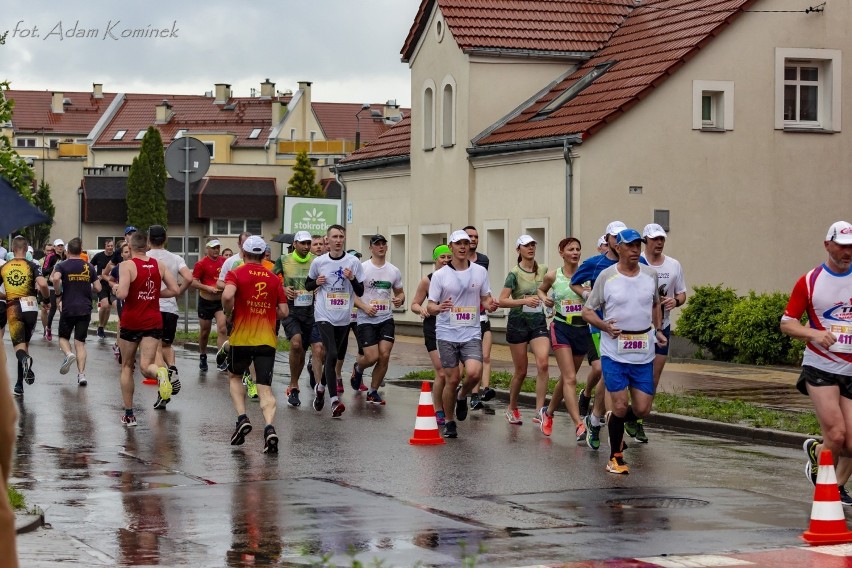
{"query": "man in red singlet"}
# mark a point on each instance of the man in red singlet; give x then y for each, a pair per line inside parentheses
(139, 282)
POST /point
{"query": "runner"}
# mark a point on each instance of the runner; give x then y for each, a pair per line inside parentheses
(124, 253)
(227, 253)
(476, 398)
(222, 354)
(73, 280)
(628, 296)
(569, 335)
(317, 245)
(336, 276)
(175, 265)
(442, 255)
(526, 326)
(21, 278)
(100, 262)
(59, 255)
(205, 273)
(299, 323)
(825, 295)
(581, 283)
(139, 282)
(455, 294)
(672, 295)
(45, 308)
(253, 299)
(376, 332)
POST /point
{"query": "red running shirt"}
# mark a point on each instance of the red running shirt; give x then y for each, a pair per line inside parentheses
(206, 271)
(142, 305)
(259, 292)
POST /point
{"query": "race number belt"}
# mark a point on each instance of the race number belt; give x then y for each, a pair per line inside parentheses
(634, 341)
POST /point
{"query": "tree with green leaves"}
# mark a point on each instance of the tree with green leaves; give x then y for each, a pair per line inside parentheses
(38, 235)
(303, 183)
(12, 167)
(146, 184)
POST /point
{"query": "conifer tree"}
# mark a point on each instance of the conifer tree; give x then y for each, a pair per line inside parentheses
(303, 183)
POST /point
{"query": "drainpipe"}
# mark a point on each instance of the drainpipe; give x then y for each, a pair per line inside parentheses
(569, 186)
(342, 198)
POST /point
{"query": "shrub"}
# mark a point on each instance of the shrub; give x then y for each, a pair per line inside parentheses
(704, 316)
(753, 331)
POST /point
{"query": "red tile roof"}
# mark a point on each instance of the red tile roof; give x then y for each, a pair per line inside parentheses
(654, 41)
(338, 121)
(515, 25)
(32, 112)
(191, 112)
(394, 143)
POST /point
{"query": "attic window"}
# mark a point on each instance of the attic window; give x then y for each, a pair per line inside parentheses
(575, 89)
(231, 106)
(140, 135)
(119, 135)
(255, 133)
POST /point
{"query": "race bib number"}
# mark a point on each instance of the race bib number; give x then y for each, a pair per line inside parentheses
(572, 307)
(634, 343)
(303, 298)
(382, 306)
(29, 304)
(464, 316)
(527, 309)
(337, 301)
(843, 333)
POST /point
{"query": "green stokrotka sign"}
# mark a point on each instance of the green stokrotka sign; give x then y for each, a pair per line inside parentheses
(310, 214)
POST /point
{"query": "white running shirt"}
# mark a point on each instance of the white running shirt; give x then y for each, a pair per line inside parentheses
(173, 264)
(465, 288)
(379, 284)
(670, 282)
(333, 300)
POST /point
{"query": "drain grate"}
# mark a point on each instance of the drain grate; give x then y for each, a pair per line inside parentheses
(657, 503)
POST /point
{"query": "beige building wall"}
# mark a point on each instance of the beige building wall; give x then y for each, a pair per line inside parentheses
(64, 177)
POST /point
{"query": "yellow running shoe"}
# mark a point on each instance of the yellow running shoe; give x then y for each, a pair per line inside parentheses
(251, 388)
(165, 383)
(617, 465)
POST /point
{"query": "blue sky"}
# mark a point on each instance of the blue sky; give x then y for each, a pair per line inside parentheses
(349, 49)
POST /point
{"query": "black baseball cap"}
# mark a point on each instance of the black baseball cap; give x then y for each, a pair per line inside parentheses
(377, 239)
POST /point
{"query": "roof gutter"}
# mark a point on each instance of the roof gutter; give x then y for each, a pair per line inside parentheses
(531, 53)
(374, 163)
(526, 145)
(569, 186)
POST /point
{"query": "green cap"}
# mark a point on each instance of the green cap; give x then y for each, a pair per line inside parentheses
(439, 250)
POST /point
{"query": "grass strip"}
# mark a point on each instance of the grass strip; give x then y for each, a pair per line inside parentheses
(16, 499)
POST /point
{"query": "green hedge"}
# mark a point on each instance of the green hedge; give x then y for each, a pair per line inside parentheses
(740, 329)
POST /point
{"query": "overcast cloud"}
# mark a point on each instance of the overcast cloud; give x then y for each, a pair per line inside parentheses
(348, 48)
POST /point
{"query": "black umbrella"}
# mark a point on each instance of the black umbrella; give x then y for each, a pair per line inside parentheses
(17, 212)
(283, 238)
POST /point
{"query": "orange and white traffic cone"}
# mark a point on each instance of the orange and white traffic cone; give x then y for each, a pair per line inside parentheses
(426, 425)
(828, 523)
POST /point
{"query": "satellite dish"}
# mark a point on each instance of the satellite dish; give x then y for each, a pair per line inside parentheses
(199, 159)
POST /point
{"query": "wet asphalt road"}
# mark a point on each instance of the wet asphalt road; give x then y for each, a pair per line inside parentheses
(173, 492)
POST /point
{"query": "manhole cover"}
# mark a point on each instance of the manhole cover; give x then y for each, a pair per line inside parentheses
(657, 503)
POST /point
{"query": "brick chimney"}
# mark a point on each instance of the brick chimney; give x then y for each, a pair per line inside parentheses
(276, 112)
(267, 89)
(97, 90)
(163, 112)
(56, 105)
(223, 93)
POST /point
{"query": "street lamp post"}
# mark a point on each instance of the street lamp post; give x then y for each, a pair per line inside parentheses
(365, 106)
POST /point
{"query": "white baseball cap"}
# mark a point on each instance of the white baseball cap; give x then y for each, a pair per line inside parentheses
(59, 243)
(213, 243)
(459, 235)
(524, 240)
(301, 237)
(653, 230)
(840, 233)
(602, 240)
(255, 245)
(615, 227)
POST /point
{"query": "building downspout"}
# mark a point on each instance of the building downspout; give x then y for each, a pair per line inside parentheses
(342, 198)
(569, 186)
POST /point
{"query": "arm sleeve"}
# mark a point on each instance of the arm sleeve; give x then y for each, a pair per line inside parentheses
(798, 303)
(231, 278)
(196, 270)
(596, 298)
(511, 281)
(357, 287)
(583, 274)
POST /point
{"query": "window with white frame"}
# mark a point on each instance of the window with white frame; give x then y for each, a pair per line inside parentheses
(233, 227)
(429, 116)
(25, 142)
(119, 135)
(190, 256)
(53, 143)
(807, 89)
(448, 112)
(713, 105)
(211, 147)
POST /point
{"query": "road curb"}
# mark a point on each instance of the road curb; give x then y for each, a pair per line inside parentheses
(28, 522)
(680, 423)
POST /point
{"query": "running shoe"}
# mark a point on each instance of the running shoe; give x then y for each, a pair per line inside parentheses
(440, 417)
(461, 406)
(476, 402)
(537, 418)
(632, 428)
(222, 354)
(66, 363)
(580, 432)
(160, 404)
(81, 380)
(174, 378)
(19, 389)
(337, 408)
(617, 465)
(356, 379)
(49, 335)
(450, 430)
(546, 424)
(513, 415)
(812, 465)
(606, 417)
(116, 352)
(251, 388)
(270, 440)
(339, 385)
(129, 421)
(101, 334)
(487, 393)
(319, 398)
(583, 404)
(365, 388)
(223, 368)
(374, 397)
(202, 363)
(293, 397)
(27, 364)
(311, 379)
(44, 334)
(593, 433)
(640, 432)
(165, 388)
(238, 438)
(845, 498)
